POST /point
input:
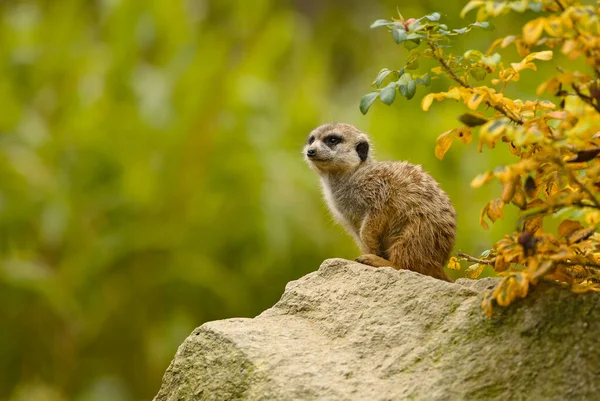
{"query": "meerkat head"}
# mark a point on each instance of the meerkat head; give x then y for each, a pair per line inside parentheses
(336, 147)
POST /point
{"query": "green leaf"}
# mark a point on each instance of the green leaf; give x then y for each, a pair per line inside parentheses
(380, 22)
(411, 88)
(537, 7)
(413, 35)
(381, 76)
(433, 17)
(492, 60)
(483, 24)
(424, 80)
(388, 94)
(519, 6)
(472, 120)
(478, 73)
(403, 84)
(413, 64)
(473, 55)
(415, 26)
(404, 79)
(460, 31)
(367, 100)
(399, 35)
(411, 44)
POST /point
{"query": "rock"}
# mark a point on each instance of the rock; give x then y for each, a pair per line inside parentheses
(353, 332)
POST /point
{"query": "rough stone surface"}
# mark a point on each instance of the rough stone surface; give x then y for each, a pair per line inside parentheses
(353, 332)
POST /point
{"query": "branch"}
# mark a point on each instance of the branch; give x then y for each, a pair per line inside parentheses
(580, 184)
(562, 8)
(552, 209)
(586, 264)
(465, 84)
(589, 100)
(476, 260)
(446, 67)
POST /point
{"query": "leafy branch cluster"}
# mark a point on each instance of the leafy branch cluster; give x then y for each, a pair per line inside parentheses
(556, 143)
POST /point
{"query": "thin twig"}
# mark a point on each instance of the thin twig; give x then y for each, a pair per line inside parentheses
(562, 8)
(476, 260)
(585, 264)
(589, 100)
(580, 184)
(465, 84)
(446, 67)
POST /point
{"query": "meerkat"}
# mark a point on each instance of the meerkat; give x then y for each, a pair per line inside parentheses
(396, 212)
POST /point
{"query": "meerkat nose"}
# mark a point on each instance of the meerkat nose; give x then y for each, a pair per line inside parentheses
(311, 153)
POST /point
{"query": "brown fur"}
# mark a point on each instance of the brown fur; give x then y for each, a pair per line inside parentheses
(396, 212)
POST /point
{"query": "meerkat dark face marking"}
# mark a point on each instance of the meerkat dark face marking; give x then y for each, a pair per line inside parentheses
(332, 140)
(363, 150)
(336, 147)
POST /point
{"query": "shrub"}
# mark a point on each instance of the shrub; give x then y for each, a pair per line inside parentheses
(555, 143)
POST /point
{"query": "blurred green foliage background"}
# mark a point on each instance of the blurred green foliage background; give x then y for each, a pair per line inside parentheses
(151, 177)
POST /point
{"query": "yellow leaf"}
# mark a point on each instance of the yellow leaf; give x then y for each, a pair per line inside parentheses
(519, 198)
(532, 30)
(568, 46)
(553, 26)
(507, 41)
(482, 179)
(592, 218)
(546, 105)
(427, 101)
(471, 6)
(475, 100)
(511, 287)
(514, 150)
(581, 235)
(453, 263)
(491, 132)
(465, 134)
(474, 271)
(522, 48)
(482, 221)
(522, 281)
(586, 286)
(486, 304)
(542, 270)
(443, 143)
(566, 20)
(508, 190)
(568, 227)
(453, 93)
(501, 264)
(533, 224)
(545, 55)
(495, 210)
(494, 8)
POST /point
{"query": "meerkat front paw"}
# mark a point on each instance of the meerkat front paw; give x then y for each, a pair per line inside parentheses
(373, 260)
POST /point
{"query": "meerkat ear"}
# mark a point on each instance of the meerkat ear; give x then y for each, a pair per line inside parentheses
(362, 148)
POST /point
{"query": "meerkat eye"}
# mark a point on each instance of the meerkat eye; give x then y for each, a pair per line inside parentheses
(333, 140)
(311, 139)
